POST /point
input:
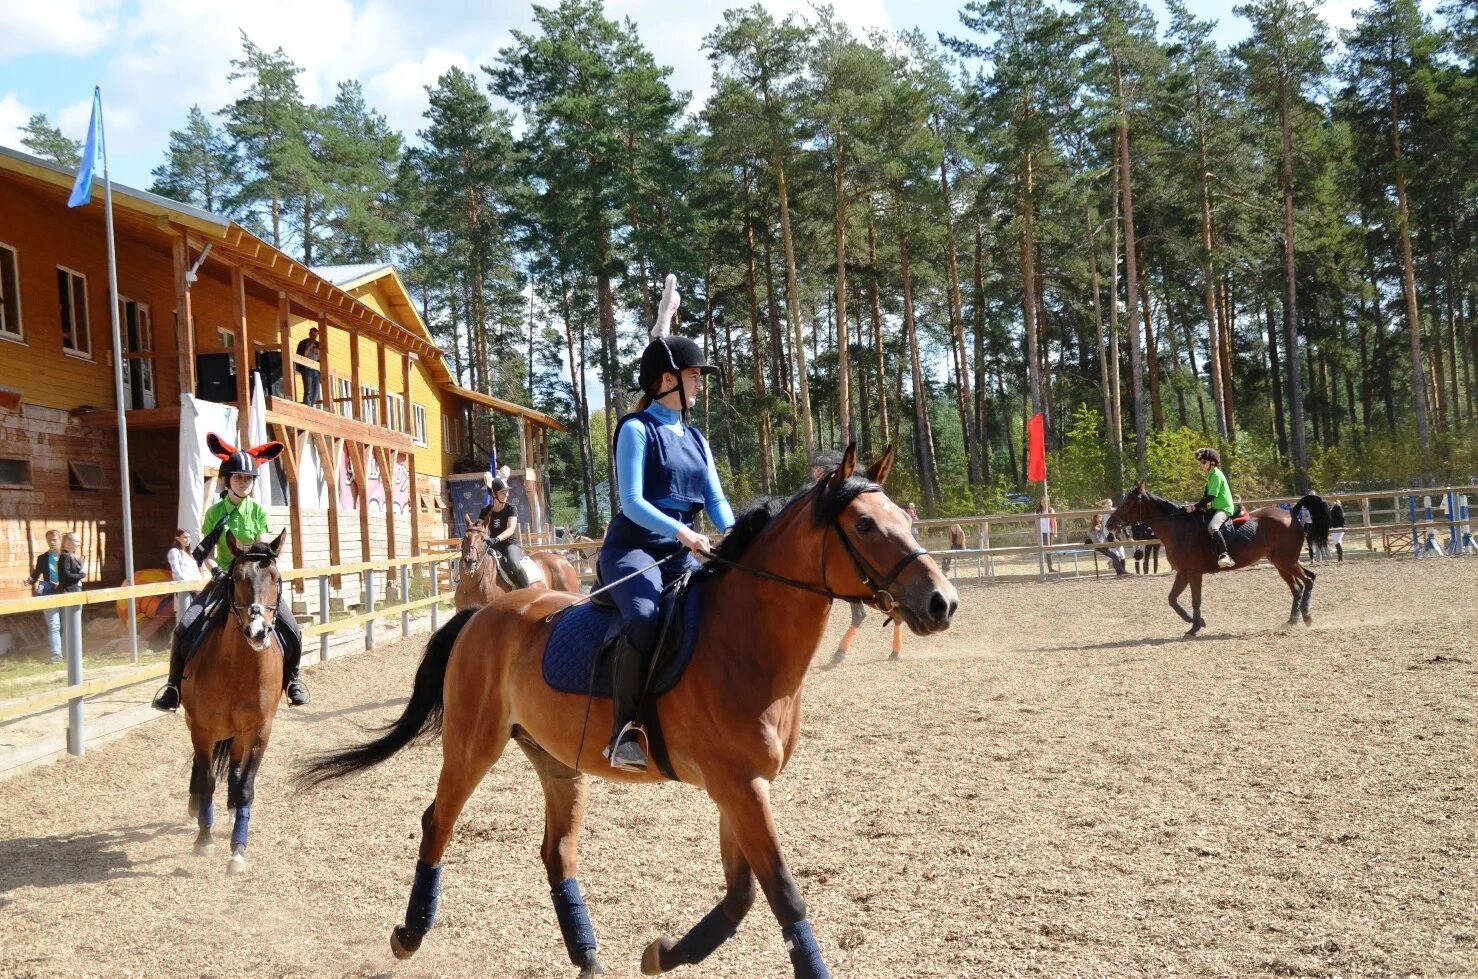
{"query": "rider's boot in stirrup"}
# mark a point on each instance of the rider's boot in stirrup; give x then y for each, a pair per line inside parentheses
(628, 678)
(168, 697)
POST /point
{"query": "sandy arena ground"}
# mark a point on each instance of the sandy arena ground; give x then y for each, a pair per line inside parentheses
(1059, 786)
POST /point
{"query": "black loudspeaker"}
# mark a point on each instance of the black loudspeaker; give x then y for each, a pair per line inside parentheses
(269, 365)
(215, 377)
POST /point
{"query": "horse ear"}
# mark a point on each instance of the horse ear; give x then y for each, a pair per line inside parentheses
(1141, 486)
(878, 471)
(232, 544)
(276, 545)
(219, 446)
(470, 521)
(844, 469)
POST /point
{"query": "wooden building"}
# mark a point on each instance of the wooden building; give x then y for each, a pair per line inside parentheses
(202, 304)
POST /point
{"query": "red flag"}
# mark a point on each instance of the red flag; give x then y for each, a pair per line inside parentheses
(1036, 450)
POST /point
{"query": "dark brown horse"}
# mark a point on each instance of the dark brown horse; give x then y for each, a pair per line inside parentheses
(482, 581)
(730, 724)
(230, 694)
(1278, 537)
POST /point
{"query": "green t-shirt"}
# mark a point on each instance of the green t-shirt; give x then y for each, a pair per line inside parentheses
(1219, 490)
(246, 523)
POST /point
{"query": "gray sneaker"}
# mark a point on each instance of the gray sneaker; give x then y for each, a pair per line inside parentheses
(628, 756)
(1225, 561)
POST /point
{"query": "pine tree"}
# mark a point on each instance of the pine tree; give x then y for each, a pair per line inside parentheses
(201, 166)
(47, 142)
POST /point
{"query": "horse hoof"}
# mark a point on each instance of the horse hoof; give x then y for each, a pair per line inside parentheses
(205, 849)
(1308, 620)
(651, 959)
(404, 942)
(237, 864)
(592, 966)
(894, 656)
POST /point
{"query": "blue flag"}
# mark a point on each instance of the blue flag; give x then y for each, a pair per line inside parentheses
(91, 153)
(492, 471)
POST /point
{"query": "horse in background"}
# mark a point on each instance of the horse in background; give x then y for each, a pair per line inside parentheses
(482, 580)
(230, 693)
(1275, 535)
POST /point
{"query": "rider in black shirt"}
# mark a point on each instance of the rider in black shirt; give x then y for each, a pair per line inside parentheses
(501, 519)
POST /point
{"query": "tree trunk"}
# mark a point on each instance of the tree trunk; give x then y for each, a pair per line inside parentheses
(1277, 383)
(923, 434)
(1028, 251)
(981, 408)
(1408, 281)
(1225, 312)
(1131, 304)
(1290, 301)
(957, 337)
(877, 329)
(1103, 369)
(1208, 277)
(1152, 352)
(844, 353)
(793, 306)
(863, 414)
(757, 346)
(1116, 417)
(582, 405)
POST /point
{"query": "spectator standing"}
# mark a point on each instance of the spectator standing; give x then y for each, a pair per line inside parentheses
(1046, 527)
(308, 349)
(1337, 529)
(45, 579)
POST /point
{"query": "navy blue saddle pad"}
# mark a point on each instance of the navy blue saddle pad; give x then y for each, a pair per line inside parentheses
(1241, 533)
(575, 644)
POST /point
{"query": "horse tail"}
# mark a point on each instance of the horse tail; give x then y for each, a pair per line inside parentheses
(221, 758)
(421, 717)
(1319, 512)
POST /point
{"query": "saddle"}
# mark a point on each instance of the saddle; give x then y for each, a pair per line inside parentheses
(577, 655)
(530, 567)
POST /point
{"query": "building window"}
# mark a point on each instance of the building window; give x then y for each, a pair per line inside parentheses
(15, 473)
(85, 476)
(71, 289)
(418, 415)
(225, 336)
(446, 433)
(343, 397)
(138, 338)
(395, 412)
(369, 406)
(10, 295)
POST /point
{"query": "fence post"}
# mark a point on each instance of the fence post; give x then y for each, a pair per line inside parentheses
(435, 590)
(405, 597)
(1365, 516)
(72, 641)
(369, 606)
(323, 603)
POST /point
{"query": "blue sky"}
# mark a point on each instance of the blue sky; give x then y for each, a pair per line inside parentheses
(154, 58)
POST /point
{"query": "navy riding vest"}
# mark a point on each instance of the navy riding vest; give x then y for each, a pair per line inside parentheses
(675, 470)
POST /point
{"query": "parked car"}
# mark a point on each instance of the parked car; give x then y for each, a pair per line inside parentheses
(1020, 499)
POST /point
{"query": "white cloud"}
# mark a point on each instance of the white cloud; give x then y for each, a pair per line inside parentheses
(14, 115)
(71, 27)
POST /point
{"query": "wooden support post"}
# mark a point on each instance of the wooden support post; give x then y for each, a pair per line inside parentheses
(329, 461)
(410, 414)
(285, 338)
(354, 400)
(386, 458)
(325, 377)
(383, 395)
(289, 439)
(359, 460)
(184, 320)
(1365, 516)
(410, 461)
(243, 353)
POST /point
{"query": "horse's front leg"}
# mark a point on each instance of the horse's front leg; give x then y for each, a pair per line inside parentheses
(718, 925)
(1175, 590)
(1197, 623)
(746, 806)
(202, 798)
(246, 758)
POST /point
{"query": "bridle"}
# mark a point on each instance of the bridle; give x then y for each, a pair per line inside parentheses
(486, 544)
(239, 611)
(881, 597)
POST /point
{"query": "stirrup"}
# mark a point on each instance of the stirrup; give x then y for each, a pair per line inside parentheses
(625, 753)
(167, 699)
(299, 698)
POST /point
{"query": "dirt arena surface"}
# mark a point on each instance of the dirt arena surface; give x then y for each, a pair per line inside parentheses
(1058, 786)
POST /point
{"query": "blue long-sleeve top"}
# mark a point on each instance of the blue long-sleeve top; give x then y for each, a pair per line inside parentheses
(631, 454)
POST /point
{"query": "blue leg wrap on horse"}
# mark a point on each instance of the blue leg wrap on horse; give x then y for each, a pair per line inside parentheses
(241, 827)
(206, 817)
(805, 955)
(705, 936)
(574, 920)
(420, 913)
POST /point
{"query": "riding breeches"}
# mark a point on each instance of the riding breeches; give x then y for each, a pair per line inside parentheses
(1213, 526)
(630, 549)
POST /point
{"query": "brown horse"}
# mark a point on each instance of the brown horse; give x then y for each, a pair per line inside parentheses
(230, 695)
(730, 724)
(1277, 537)
(481, 581)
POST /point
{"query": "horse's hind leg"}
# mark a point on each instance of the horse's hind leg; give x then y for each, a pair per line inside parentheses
(746, 807)
(1295, 587)
(718, 925)
(1197, 623)
(1308, 594)
(1175, 590)
(202, 797)
(565, 792)
(468, 750)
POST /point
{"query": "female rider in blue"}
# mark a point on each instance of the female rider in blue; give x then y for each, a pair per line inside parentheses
(665, 475)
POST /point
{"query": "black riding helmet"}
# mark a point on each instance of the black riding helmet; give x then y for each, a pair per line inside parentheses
(497, 485)
(1208, 455)
(239, 463)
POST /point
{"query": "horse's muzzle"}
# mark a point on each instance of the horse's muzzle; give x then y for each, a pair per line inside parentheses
(928, 604)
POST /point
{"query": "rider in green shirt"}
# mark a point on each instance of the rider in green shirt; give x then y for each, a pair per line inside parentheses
(246, 520)
(1218, 500)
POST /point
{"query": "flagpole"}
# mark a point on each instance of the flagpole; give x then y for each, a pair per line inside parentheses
(125, 479)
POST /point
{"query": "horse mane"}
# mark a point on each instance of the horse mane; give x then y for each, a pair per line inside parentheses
(1167, 508)
(759, 513)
